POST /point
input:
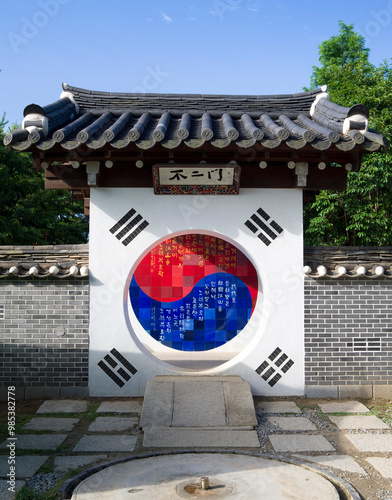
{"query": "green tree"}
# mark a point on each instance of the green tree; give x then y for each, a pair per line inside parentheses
(361, 215)
(31, 214)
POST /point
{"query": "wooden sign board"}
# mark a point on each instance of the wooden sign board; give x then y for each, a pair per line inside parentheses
(196, 179)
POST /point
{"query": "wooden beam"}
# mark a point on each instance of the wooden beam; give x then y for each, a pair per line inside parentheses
(87, 206)
(122, 174)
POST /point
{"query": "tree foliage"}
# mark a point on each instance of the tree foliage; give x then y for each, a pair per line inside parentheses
(31, 214)
(361, 215)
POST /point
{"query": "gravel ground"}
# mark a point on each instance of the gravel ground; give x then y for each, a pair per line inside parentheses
(41, 483)
(371, 487)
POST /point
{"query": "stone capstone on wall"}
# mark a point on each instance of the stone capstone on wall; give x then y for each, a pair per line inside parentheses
(60, 261)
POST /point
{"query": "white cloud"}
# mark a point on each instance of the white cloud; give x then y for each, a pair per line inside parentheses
(166, 18)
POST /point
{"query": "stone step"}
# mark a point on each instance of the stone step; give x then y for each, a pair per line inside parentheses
(199, 438)
(187, 411)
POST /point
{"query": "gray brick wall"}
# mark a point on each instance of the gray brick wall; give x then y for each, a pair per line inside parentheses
(44, 335)
(348, 337)
(348, 332)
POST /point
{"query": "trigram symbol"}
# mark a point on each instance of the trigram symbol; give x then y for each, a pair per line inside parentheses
(129, 226)
(272, 371)
(263, 226)
(117, 367)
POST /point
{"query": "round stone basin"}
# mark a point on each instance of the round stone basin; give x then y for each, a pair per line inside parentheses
(234, 476)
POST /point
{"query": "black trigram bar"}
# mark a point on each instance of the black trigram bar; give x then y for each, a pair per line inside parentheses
(275, 379)
(287, 366)
(110, 373)
(263, 226)
(124, 361)
(137, 231)
(251, 226)
(275, 353)
(129, 226)
(262, 367)
(268, 373)
(281, 360)
(123, 220)
(122, 373)
(270, 370)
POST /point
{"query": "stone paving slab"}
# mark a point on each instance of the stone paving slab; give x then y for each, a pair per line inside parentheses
(359, 422)
(198, 404)
(25, 466)
(193, 438)
(371, 442)
(341, 462)
(278, 407)
(158, 402)
(113, 424)
(64, 464)
(120, 407)
(240, 409)
(5, 494)
(51, 424)
(106, 443)
(292, 423)
(37, 441)
(343, 406)
(382, 465)
(297, 442)
(62, 406)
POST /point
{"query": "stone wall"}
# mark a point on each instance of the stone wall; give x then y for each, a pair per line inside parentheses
(348, 337)
(44, 337)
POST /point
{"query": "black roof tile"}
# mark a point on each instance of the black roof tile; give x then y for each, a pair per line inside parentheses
(96, 118)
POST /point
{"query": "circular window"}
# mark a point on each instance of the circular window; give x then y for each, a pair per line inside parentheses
(193, 292)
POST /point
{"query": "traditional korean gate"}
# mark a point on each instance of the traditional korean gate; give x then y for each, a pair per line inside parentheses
(196, 224)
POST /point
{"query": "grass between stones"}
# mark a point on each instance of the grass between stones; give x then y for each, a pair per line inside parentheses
(381, 408)
(47, 467)
(21, 419)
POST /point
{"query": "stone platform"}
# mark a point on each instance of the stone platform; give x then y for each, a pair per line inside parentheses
(186, 412)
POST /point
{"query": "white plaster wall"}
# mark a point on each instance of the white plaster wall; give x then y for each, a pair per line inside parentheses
(278, 320)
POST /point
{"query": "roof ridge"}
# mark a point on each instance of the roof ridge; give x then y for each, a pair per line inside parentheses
(310, 93)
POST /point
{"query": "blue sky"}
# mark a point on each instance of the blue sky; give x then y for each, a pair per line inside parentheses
(188, 46)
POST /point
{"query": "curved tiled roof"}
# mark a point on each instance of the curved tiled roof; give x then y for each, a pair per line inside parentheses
(105, 119)
(348, 262)
(59, 261)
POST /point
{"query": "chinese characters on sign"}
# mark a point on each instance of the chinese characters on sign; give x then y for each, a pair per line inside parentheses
(192, 176)
(196, 179)
(194, 292)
